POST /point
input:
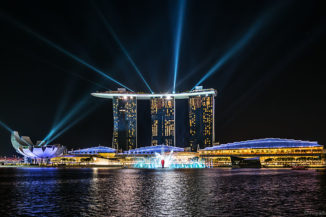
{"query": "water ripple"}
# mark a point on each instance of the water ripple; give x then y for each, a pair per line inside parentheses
(133, 192)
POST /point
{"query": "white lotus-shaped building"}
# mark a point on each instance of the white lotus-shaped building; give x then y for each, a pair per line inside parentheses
(24, 146)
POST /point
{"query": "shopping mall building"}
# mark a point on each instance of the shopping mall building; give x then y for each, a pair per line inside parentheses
(270, 152)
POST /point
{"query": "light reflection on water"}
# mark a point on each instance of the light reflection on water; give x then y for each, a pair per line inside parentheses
(136, 192)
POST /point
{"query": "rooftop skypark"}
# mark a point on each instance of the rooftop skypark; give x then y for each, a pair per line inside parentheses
(183, 95)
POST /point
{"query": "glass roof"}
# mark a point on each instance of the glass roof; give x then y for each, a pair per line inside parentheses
(154, 149)
(92, 150)
(265, 143)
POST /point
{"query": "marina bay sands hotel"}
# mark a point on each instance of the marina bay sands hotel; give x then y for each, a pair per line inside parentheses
(201, 117)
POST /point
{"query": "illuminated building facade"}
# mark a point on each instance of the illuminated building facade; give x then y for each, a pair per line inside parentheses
(201, 121)
(39, 153)
(272, 152)
(93, 151)
(163, 119)
(151, 150)
(151, 157)
(125, 123)
(201, 109)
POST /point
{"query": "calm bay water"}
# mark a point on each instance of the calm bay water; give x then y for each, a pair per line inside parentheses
(133, 192)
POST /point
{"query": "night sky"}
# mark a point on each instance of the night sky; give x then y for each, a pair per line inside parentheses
(271, 82)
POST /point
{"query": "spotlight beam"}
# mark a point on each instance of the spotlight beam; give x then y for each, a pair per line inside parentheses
(193, 71)
(62, 104)
(75, 74)
(73, 123)
(81, 104)
(78, 76)
(90, 81)
(181, 9)
(67, 53)
(270, 75)
(253, 30)
(66, 96)
(235, 49)
(6, 127)
(124, 50)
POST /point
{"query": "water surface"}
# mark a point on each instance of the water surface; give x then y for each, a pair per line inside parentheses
(141, 192)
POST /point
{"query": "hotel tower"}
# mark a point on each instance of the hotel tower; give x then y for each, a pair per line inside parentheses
(201, 117)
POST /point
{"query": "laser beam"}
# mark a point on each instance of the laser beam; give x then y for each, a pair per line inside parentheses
(67, 53)
(246, 97)
(236, 48)
(253, 30)
(73, 123)
(124, 50)
(92, 82)
(181, 9)
(6, 127)
(63, 101)
(77, 108)
(74, 74)
(193, 71)
(62, 104)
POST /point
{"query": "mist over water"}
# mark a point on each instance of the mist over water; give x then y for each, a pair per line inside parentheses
(141, 192)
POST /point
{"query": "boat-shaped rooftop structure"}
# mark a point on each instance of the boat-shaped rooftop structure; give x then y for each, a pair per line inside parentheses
(145, 96)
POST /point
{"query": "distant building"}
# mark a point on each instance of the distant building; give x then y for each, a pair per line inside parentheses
(125, 123)
(201, 115)
(272, 152)
(93, 151)
(163, 121)
(201, 121)
(11, 160)
(39, 152)
(151, 150)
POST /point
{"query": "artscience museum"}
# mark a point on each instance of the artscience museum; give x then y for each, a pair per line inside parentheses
(41, 152)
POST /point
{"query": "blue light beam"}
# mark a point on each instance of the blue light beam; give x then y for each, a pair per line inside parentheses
(53, 45)
(66, 96)
(248, 96)
(91, 82)
(62, 104)
(77, 75)
(236, 48)
(80, 105)
(6, 127)
(181, 9)
(124, 50)
(73, 123)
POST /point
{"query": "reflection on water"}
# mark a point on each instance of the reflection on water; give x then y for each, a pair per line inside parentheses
(136, 192)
